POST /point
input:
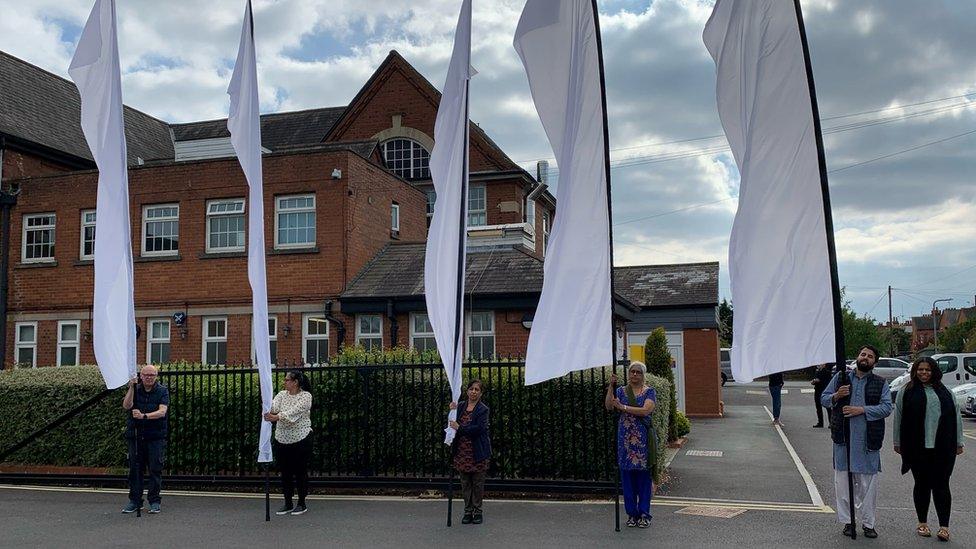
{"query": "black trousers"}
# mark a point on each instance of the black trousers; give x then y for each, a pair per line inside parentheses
(817, 393)
(150, 455)
(293, 462)
(931, 482)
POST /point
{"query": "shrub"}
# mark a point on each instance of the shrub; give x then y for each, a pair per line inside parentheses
(659, 363)
(682, 424)
(367, 419)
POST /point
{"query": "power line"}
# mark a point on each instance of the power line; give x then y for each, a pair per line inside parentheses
(922, 146)
(835, 129)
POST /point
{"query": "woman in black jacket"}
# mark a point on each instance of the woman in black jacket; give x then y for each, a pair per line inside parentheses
(472, 450)
(928, 435)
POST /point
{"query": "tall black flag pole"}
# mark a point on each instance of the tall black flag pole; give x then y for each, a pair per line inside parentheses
(606, 159)
(831, 251)
(267, 466)
(459, 307)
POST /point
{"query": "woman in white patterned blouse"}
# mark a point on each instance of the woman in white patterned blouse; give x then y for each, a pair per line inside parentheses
(290, 411)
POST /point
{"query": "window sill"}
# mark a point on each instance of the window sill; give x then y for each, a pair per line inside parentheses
(36, 265)
(287, 251)
(83, 262)
(154, 258)
(221, 255)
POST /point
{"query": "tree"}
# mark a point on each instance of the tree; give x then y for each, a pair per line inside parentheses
(954, 338)
(725, 323)
(897, 341)
(658, 360)
(859, 331)
(970, 342)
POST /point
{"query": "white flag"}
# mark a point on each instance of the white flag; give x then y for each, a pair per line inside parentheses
(445, 257)
(244, 124)
(778, 256)
(571, 331)
(95, 70)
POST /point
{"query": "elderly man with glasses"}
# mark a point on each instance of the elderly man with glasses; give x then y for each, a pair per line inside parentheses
(146, 402)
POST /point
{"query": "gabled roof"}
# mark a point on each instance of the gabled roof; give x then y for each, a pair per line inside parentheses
(278, 130)
(950, 317)
(398, 271)
(395, 62)
(44, 109)
(679, 285)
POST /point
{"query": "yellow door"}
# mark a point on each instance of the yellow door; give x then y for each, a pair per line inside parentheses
(637, 353)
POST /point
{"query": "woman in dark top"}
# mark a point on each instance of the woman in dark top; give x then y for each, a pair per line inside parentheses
(776, 391)
(928, 435)
(821, 378)
(472, 450)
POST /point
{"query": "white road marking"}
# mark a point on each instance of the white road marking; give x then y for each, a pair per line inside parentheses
(815, 497)
(751, 392)
(807, 391)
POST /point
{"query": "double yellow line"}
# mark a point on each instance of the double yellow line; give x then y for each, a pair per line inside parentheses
(774, 506)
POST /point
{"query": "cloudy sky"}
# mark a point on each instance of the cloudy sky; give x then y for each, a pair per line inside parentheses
(896, 81)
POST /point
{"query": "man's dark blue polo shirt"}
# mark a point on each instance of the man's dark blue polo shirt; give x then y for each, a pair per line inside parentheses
(146, 402)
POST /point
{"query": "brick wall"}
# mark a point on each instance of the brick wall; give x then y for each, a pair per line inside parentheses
(18, 164)
(200, 280)
(702, 377)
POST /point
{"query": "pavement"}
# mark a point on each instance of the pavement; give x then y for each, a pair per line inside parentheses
(773, 487)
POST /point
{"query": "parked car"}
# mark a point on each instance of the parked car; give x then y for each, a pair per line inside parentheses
(891, 368)
(965, 395)
(725, 363)
(969, 410)
(957, 369)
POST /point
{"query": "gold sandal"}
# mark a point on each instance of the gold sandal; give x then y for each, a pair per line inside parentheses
(943, 534)
(924, 531)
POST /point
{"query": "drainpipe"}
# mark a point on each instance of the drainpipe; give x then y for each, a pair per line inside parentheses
(340, 325)
(7, 202)
(394, 328)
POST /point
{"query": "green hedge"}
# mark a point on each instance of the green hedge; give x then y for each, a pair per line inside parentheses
(368, 419)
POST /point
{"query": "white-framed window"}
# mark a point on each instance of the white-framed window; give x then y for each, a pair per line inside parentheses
(87, 244)
(431, 200)
(395, 218)
(481, 335)
(530, 216)
(157, 340)
(315, 339)
(369, 332)
(69, 340)
(25, 344)
(421, 333)
(225, 225)
(272, 341)
(477, 206)
(38, 238)
(545, 232)
(295, 221)
(161, 230)
(215, 340)
(406, 158)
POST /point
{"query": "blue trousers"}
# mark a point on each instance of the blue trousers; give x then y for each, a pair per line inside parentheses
(637, 492)
(777, 394)
(151, 454)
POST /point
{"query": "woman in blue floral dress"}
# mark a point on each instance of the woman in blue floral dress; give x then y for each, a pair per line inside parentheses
(635, 450)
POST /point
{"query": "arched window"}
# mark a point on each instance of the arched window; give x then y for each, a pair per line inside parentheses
(406, 158)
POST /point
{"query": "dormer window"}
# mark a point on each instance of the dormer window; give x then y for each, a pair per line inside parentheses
(406, 158)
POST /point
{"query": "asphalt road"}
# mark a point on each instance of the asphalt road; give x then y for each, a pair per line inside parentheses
(739, 466)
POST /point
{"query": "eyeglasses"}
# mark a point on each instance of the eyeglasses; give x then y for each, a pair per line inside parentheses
(148, 375)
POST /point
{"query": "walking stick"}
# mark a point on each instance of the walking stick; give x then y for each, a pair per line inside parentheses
(845, 380)
(138, 460)
(267, 493)
(450, 497)
(617, 480)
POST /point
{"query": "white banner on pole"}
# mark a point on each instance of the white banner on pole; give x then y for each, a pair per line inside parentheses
(96, 72)
(572, 326)
(445, 256)
(244, 124)
(778, 255)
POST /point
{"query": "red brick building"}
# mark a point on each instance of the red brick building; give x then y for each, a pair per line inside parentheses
(347, 200)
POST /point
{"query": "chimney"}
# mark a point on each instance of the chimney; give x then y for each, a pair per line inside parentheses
(542, 171)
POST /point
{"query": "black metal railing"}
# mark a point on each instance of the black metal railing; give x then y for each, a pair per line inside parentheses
(374, 423)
